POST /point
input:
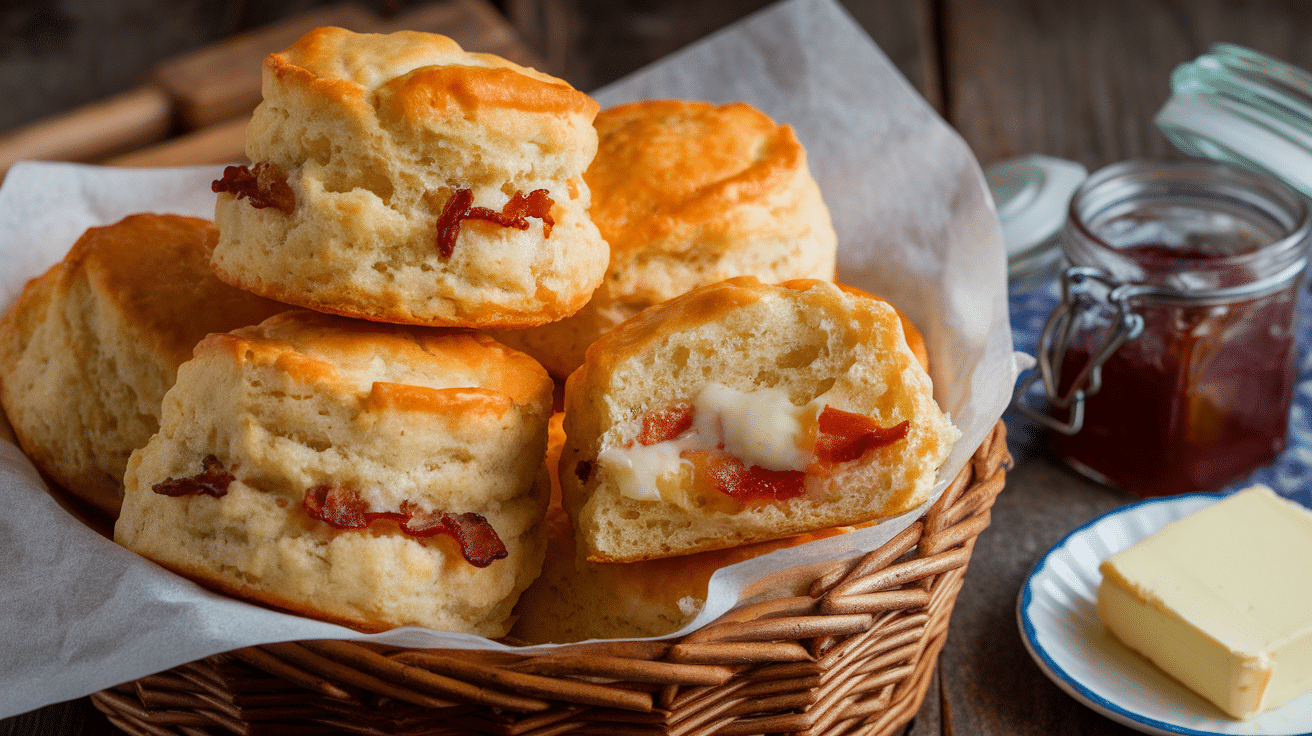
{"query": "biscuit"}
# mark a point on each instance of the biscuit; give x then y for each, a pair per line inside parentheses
(575, 600)
(371, 475)
(90, 347)
(687, 194)
(742, 412)
(398, 178)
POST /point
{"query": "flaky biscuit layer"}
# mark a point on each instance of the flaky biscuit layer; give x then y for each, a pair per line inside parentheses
(687, 194)
(406, 420)
(808, 338)
(373, 136)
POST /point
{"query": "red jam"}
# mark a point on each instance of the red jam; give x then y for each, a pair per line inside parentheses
(344, 508)
(735, 479)
(263, 186)
(665, 424)
(1199, 400)
(514, 214)
(212, 481)
(1149, 252)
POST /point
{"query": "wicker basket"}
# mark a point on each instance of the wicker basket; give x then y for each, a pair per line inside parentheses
(854, 656)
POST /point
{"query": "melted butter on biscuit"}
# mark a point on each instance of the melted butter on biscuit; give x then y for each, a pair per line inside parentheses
(762, 428)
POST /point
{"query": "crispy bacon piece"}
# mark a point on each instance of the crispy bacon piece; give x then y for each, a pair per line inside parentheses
(477, 539)
(336, 506)
(448, 223)
(843, 436)
(732, 477)
(212, 481)
(665, 424)
(262, 186)
(514, 214)
(343, 508)
(535, 204)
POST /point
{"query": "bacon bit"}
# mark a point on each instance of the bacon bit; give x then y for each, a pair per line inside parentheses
(448, 223)
(843, 436)
(343, 508)
(477, 539)
(212, 481)
(336, 506)
(536, 204)
(731, 476)
(514, 214)
(665, 424)
(263, 186)
(583, 470)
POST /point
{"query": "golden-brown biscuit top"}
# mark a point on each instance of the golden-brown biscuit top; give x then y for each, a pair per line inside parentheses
(166, 290)
(710, 304)
(419, 71)
(915, 340)
(442, 371)
(696, 160)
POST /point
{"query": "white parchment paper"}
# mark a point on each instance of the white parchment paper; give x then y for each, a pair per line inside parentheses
(915, 224)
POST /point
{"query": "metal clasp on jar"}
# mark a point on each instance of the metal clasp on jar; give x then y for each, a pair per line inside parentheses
(1084, 289)
(1077, 298)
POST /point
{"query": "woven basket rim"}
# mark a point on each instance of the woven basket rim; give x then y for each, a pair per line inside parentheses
(855, 653)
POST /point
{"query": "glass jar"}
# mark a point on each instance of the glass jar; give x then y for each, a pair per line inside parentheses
(1241, 107)
(1169, 365)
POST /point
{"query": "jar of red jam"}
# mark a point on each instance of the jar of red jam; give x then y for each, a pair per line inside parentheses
(1169, 365)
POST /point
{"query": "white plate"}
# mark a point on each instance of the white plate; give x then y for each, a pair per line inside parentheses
(1059, 624)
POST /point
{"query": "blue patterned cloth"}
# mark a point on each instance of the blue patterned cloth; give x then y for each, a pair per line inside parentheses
(1032, 299)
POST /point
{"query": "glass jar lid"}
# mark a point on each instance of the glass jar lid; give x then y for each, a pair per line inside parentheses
(1031, 194)
(1244, 108)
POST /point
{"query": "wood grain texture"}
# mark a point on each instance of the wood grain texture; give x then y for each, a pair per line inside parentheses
(219, 143)
(77, 717)
(58, 54)
(475, 24)
(222, 80)
(991, 685)
(221, 103)
(207, 90)
(123, 122)
(593, 42)
(1083, 80)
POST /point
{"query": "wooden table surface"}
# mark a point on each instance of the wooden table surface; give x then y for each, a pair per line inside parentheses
(1078, 79)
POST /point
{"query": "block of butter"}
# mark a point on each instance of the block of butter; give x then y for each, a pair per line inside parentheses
(1221, 600)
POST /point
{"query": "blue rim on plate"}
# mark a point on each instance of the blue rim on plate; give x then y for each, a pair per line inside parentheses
(1090, 693)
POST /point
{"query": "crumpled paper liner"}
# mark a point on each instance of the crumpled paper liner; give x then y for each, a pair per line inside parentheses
(915, 225)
